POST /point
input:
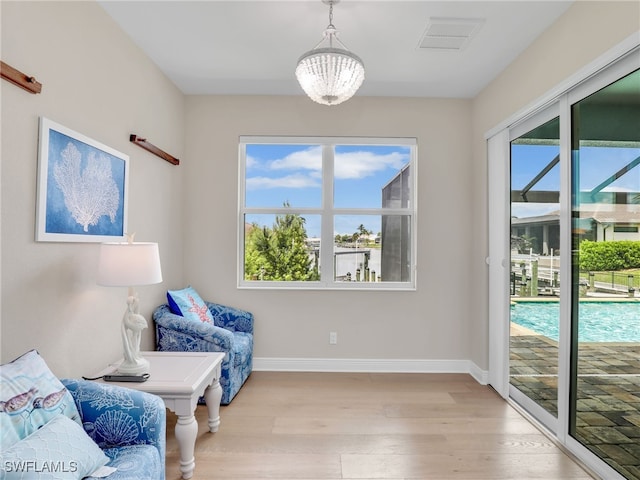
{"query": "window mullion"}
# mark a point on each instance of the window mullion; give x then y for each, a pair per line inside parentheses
(326, 241)
(373, 211)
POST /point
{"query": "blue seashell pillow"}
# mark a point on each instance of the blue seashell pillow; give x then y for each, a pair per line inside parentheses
(188, 304)
(30, 396)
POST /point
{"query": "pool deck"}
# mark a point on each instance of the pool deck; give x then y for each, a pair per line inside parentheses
(594, 298)
(608, 407)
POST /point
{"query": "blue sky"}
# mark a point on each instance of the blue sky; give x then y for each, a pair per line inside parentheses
(293, 173)
(596, 165)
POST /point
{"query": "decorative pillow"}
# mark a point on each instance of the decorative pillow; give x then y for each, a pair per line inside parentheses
(188, 304)
(30, 396)
(59, 450)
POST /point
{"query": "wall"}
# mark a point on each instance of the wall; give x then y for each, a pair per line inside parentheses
(97, 82)
(429, 324)
(49, 299)
(586, 31)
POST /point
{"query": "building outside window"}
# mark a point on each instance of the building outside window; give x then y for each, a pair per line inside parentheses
(319, 212)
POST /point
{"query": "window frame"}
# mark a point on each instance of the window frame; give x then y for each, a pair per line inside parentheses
(327, 211)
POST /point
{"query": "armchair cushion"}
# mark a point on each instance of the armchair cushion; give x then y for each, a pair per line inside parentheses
(188, 304)
(135, 462)
(232, 319)
(191, 333)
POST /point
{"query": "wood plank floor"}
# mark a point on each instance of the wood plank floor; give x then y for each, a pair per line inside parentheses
(316, 426)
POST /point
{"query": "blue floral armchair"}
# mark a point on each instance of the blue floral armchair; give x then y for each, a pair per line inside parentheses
(128, 425)
(232, 333)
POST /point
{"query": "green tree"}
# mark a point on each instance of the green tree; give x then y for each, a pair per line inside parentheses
(361, 232)
(256, 252)
(280, 252)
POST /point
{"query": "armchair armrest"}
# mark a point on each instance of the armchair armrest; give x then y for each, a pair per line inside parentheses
(115, 416)
(231, 318)
(205, 331)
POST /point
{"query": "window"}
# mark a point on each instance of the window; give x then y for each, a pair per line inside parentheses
(625, 228)
(327, 213)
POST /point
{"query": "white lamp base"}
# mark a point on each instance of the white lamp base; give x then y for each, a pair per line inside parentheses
(132, 325)
(137, 367)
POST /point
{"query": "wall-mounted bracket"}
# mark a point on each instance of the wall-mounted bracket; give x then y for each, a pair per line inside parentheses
(20, 79)
(142, 142)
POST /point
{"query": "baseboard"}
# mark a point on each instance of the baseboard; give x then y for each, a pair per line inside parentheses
(481, 376)
(370, 366)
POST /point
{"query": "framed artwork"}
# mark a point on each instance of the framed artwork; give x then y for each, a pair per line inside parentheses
(82, 188)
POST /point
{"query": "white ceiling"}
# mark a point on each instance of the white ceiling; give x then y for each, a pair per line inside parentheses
(252, 47)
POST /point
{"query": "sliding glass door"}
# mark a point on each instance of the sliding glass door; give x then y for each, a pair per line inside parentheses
(535, 266)
(605, 327)
(565, 267)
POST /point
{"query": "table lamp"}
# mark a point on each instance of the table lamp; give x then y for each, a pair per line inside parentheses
(129, 264)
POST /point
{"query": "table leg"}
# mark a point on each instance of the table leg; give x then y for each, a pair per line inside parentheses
(212, 397)
(186, 433)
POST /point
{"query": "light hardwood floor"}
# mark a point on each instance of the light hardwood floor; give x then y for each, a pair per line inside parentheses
(314, 426)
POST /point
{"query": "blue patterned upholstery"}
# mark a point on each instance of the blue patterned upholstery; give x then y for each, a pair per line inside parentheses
(129, 425)
(231, 333)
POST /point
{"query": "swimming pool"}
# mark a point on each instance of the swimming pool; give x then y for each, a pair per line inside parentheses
(599, 321)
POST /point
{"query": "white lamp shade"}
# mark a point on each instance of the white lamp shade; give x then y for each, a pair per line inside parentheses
(129, 264)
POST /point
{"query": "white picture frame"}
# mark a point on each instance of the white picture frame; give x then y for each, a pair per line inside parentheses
(82, 193)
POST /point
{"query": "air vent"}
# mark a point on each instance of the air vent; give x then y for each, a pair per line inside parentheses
(450, 33)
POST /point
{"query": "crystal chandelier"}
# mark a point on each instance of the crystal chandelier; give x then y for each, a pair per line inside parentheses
(330, 74)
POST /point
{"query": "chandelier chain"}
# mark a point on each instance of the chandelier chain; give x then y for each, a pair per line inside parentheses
(331, 16)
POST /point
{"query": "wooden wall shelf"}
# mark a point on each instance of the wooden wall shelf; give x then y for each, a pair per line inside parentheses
(142, 142)
(20, 79)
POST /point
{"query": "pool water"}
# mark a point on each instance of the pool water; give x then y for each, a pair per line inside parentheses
(599, 321)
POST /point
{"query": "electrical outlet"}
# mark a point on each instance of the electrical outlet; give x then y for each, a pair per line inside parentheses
(333, 338)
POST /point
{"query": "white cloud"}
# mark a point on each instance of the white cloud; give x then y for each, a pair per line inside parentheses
(310, 159)
(356, 165)
(251, 162)
(289, 181)
(352, 165)
(307, 168)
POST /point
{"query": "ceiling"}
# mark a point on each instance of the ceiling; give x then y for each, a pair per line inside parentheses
(252, 47)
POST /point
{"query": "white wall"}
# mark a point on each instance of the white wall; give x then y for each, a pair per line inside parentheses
(430, 323)
(586, 31)
(97, 82)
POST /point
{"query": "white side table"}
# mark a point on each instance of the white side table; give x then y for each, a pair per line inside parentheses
(180, 379)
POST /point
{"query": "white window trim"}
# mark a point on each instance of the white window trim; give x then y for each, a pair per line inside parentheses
(327, 212)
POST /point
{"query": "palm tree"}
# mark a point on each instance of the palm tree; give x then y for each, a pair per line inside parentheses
(362, 232)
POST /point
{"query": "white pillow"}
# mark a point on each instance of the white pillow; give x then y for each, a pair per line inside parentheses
(59, 450)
